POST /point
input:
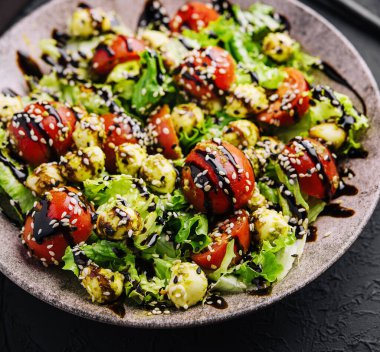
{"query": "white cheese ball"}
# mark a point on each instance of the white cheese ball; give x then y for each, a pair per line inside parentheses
(245, 100)
(332, 134)
(187, 286)
(89, 132)
(186, 117)
(44, 178)
(270, 225)
(103, 285)
(88, 22)
(241, 133)
(83, 164)
(118, 221)
(129, 158)
(159, 174)
(278, 46)
(9, 106)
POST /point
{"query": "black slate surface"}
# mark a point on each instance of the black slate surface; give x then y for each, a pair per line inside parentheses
(340, 311)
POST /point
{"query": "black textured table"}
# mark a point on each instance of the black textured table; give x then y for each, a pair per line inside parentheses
(340, 311)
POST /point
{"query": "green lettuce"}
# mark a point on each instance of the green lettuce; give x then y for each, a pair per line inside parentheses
(190, 229)
(16, 199)
(153, 85)
(103, 191)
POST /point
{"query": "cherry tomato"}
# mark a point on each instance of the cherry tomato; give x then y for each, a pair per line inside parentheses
(162, 135)
(235, 227)
(194, 16)
(291, 101)
(119, 129)
(217, 177)
(61, 218)
(314, 166)
(121, 49)
(43, 132)
(207, 73)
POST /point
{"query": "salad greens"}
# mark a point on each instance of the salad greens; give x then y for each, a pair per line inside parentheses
(148, 256)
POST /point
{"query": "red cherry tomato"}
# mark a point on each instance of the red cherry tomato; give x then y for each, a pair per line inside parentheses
(291, 101)
(121, 49)
(162, 135)
(43, 132)
(119, 129)
(194, 16)
(235, 227)
(314, 166)
(217, 177)
(62, 217)
(207, 73)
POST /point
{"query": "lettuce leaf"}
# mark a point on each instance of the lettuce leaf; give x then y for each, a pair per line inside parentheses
(190, 229)
(17, 199)
(323, 110)
(103, 192)
(153, 84)
(227, 260)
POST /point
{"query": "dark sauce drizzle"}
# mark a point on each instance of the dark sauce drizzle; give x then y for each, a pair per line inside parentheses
(309, 148)
(334, 75)
(218, 170)
(312, 234)
(28, 66)
(154, 15)
(335, 210)
(261, 287)
(9, 92)
(21, 173)
(216, 302)
(203, 180)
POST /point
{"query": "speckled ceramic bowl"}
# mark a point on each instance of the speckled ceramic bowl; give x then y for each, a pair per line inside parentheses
(62, 290)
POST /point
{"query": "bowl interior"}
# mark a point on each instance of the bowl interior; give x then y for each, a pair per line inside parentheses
(318, 37)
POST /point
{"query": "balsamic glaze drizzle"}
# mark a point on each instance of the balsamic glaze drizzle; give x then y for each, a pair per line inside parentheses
(28, 66)
(154, 15)
(335, 210)
(216, 302)
(21, 173)
(334, 75)
(309, 148)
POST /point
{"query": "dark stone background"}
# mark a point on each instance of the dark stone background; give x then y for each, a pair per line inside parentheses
(340, 311)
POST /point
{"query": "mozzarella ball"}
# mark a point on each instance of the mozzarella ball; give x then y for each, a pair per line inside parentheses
(186, 117)
(246, 100)
(103, 285)
(89, 132)
(269, 225)
(9, 106)
(129, 158)
(44, 178)
(118, 221)
(187, 286)
(83, 164)
(159, 174)
(332, 134)
(241, 133)
(87, 22)
(278, 46)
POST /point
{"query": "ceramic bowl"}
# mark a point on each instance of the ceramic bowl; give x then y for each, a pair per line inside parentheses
(318, 37)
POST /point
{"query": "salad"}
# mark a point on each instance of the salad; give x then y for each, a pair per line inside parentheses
(169, 165)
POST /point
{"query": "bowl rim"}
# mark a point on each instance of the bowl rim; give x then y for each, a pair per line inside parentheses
(149, 323)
